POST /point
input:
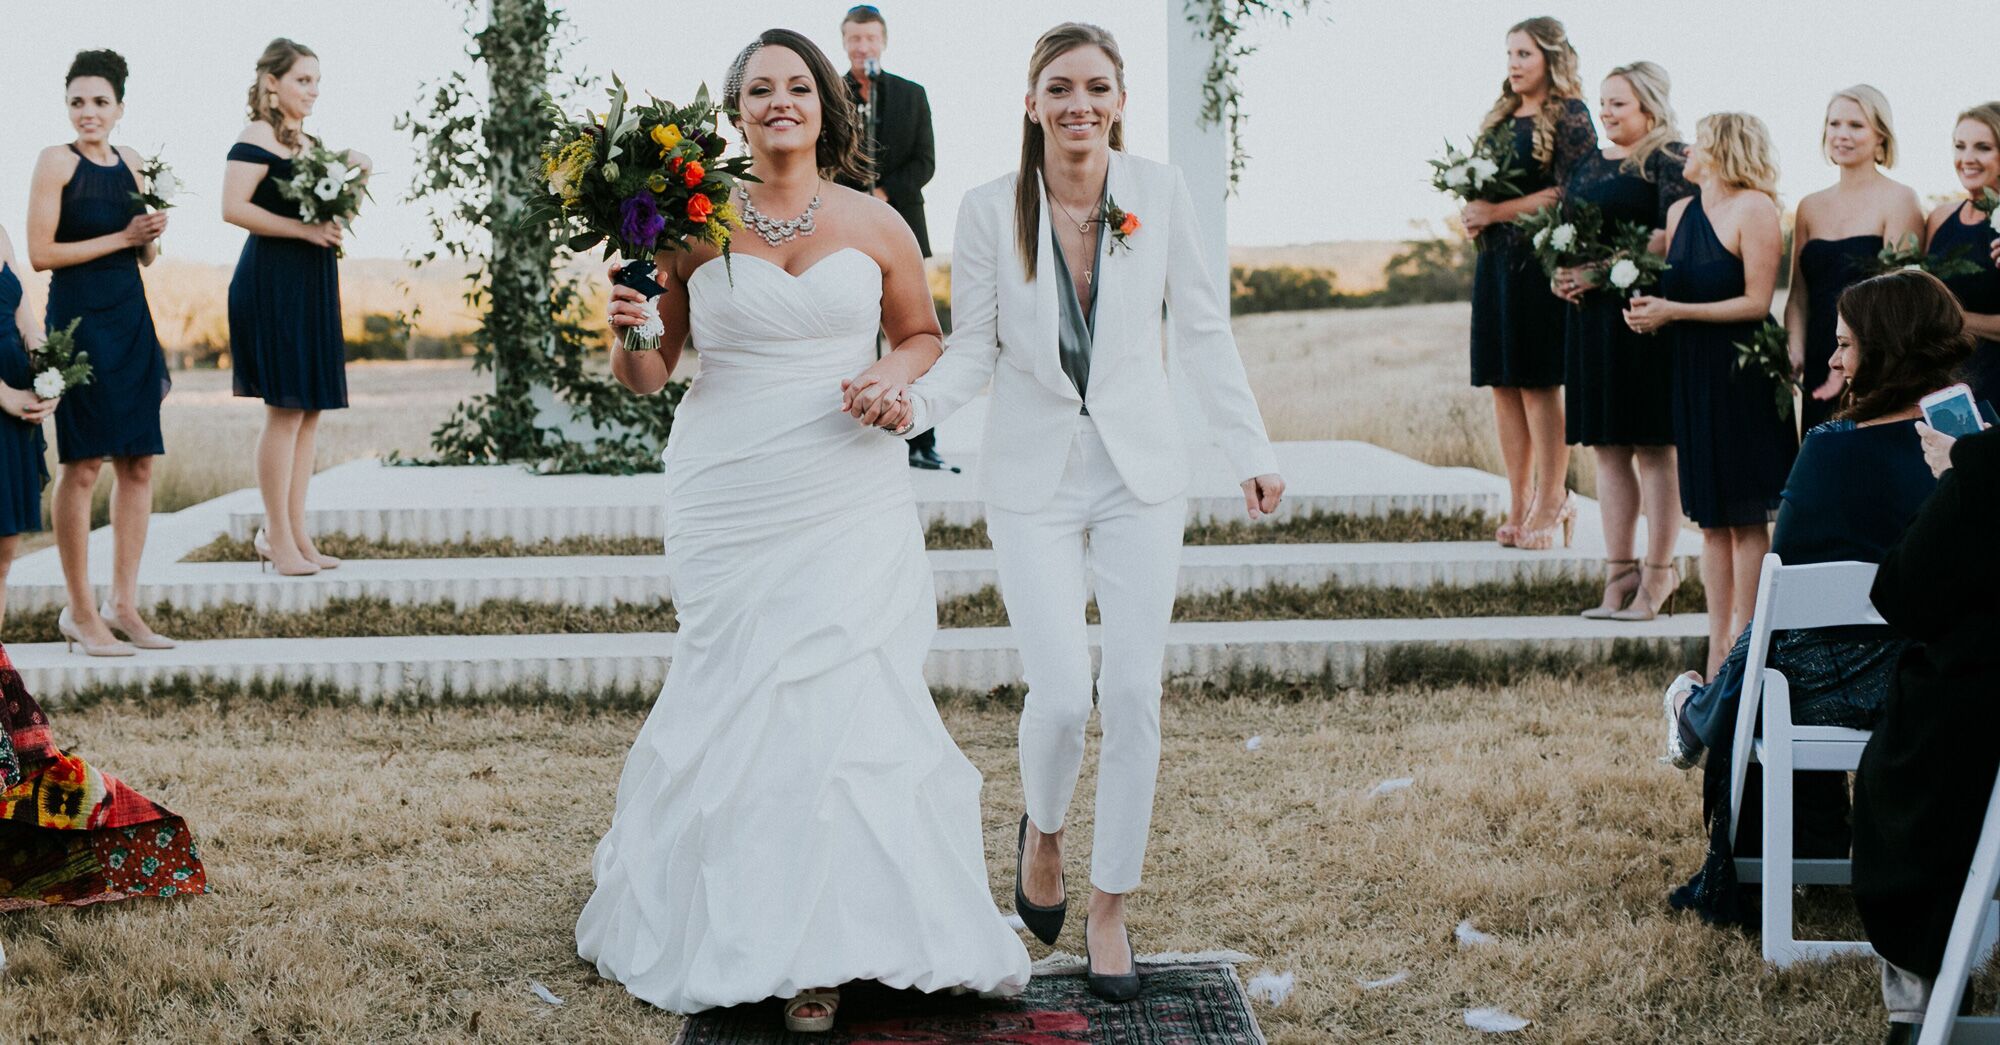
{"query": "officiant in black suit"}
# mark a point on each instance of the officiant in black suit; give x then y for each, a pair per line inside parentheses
(896, 117)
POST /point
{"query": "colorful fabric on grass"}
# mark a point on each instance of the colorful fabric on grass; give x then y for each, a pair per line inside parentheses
(71, 833)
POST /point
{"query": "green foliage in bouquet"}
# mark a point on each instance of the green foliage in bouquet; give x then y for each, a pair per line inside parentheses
(1894, 257)
(1769, 352)
(1565, 236)
(1488, 170)
(57, 364)
(1632, 267)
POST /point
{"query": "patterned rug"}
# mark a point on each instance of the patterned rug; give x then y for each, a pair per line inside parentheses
(1181, 1002)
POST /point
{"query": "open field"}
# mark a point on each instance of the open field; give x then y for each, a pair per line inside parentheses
(402, 874)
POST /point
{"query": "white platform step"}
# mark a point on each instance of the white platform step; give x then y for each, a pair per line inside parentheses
(371, 500)
(366, 669)
(606, 580)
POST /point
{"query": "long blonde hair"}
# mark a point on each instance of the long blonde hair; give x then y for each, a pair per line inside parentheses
(1054, 44)
(278, 58)
(1559, 58)
(1650, 85)
(1738, 146)
(1874, 107)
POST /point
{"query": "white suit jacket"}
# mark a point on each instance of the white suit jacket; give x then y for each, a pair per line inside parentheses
(1155, 297)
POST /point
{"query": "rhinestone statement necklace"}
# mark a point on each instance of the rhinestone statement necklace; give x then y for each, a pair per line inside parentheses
(772, 230)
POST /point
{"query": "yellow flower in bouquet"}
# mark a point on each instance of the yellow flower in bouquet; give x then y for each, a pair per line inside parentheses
(566, 167)
(667, 136)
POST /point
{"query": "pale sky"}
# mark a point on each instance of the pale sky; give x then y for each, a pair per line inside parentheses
(1345, 105)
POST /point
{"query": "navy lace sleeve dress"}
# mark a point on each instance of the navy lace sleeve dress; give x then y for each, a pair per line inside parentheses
(118, 413)
(1735, 449)
(23, 452)
(1517, 321)
(1979, 292)
(1830, 267)
(1618, 385)
(285, 341)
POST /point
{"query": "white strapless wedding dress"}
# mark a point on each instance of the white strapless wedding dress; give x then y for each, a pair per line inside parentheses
(793, 814)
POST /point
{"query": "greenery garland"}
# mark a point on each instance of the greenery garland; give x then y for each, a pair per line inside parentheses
(1221, 23)
(479, 163)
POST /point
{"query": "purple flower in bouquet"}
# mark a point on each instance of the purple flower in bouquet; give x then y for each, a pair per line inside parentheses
(639, 221)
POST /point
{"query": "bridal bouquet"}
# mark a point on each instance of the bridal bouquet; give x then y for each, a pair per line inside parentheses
(1631, 267)
(325, 187)
(1988, 203)
(1489, 171)
(57, 365)
(1768, 352)
(1566, 236)
(159, 185)
(644, 179)
(1907, 255)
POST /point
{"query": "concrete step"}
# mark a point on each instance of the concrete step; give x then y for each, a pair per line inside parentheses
(606, 580)
(369, 499)
(367, 669)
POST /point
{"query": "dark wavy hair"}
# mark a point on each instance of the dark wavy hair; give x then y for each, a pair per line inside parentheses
(840, 155)
(1911, 338)
(108, 64)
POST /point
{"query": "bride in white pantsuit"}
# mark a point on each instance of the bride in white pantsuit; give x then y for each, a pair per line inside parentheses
(1082, 450)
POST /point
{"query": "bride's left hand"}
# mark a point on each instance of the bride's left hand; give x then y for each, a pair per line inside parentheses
(876, 400)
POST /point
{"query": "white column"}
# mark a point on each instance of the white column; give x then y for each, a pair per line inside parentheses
(1202, 153)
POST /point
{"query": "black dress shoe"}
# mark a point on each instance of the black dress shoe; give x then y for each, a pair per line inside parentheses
(1120, 988)
(1045, 922)
(926, 458)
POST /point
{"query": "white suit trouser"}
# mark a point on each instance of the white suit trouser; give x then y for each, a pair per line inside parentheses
(1134, 553)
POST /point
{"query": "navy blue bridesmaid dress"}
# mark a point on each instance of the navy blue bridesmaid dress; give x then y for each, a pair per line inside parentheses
(1618, 384)
(1517, 321)
(1830, 266)
(1979, 292)
(285, 341)
(1734, 448)
(24, 468)
(118, 413)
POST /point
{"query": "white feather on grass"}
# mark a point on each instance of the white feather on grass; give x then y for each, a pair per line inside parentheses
(1272, 987)
(1253, 743)
(1494, 1021)
(1391, 786)
(543, 992)
(1390, 980)
(1470, 937)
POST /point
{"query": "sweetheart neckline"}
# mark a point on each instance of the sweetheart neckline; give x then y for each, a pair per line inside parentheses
(782, 270)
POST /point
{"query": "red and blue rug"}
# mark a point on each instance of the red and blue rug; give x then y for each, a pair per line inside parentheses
(1180, 1003)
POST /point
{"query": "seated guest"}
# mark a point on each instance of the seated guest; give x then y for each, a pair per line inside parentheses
(71, 833)
(1858, 481)
(1921, 792)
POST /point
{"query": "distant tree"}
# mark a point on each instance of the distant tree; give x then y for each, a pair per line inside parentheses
(1434, 269)
(1280, 288)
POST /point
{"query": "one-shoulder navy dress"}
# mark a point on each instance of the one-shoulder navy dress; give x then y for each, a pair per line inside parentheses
(1619, 385)
(1517, 321)
(285, 340)
(1830, 266)
(1979, 292)
(118, 413)
(24, 468)
(1734, 448)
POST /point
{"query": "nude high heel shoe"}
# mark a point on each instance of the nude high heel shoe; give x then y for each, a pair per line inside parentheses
(1640, 609)
(1627, 567)
(73, 637)
(145, 638)
(261, 543)
(1543, 539)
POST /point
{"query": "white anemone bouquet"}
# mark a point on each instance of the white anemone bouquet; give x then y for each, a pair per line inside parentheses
(326, 187)
(1488, 171)
(159, 184)
(57, 364)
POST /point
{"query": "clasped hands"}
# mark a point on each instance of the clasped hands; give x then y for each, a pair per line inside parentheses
(878, 399)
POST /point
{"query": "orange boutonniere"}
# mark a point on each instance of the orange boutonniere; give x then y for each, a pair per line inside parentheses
(1121, 222)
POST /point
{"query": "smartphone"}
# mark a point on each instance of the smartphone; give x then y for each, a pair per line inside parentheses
(1951, 411)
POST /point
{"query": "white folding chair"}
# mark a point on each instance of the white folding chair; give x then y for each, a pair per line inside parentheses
(1973, 931)
(1819, 595)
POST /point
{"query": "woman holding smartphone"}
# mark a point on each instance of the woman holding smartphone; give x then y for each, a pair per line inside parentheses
(81, 224)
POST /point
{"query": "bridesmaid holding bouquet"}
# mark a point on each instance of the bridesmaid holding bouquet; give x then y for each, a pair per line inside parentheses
(286, 343)
(1963, 228)
(1619, 392)
(84, 223)
(24, 466)
(1517, 322)
(1735, 449)
(1838, 232)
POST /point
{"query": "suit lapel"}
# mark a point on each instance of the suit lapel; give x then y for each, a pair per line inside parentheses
(1048, 310)
(1114, 270)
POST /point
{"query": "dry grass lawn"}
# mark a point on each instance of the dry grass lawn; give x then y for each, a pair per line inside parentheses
(388, 875)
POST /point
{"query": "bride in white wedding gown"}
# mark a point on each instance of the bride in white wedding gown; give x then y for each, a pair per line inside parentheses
(793, 815)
